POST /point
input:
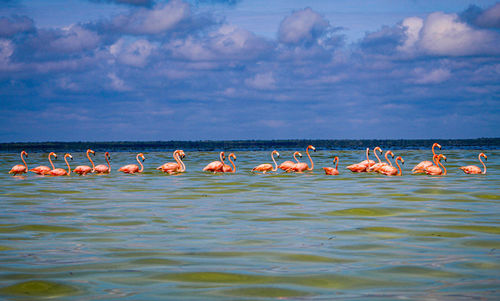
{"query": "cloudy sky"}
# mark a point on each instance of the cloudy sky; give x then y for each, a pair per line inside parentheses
(97, 70)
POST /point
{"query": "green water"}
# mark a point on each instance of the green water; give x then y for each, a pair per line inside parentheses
(251, 236)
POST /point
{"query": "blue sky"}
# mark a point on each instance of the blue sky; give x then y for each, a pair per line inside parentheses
(100, 70)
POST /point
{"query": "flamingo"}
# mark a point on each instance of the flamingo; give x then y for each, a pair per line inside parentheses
(436, 170)
(378, 166)
(300, 167)
(172, 167)
(362, 166)
(420, 167)
(101, 168)
(333, 171)
(43, 170)
(227, 168)
(19, 168)
(288, 165)
(60, 171)
(84, 169)
(133, 168)
(391, 170)
(380, 163)
(473, 169)
(269, 167)
(216, 166)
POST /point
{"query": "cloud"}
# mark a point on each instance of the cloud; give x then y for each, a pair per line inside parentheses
(262, 81)
(157, 20)
(132, 54)
(15, 25)
(302, 27)
(147, 3)
(490, 18)
(117, 83)
(434, 76)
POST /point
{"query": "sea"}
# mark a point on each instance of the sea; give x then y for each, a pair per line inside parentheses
(250, 236)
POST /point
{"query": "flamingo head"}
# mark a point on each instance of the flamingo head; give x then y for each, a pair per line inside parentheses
(90, 151)
(142, 156)
(182, 155)
(312, 147)
(107, 155)
(390, 153)
(232, 155)
(480, 155)
(53, 154)
(436, 144)
(377, 149)
(278, 154)
(400, 159)
(24, 153)
(68, 156)
(335, 159)
(441, 156)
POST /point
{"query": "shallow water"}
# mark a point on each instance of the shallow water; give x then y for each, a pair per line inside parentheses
(251, 236)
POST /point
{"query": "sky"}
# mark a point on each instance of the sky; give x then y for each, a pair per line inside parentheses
(130, 70)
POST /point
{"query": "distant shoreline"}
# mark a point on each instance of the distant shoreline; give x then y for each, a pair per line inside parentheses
(341, 144)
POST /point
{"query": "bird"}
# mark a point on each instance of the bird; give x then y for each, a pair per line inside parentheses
(226, 167)
(473, 169)
(333, 171)
(436, 170)
(300, 167)
(43, 170)
(378, 166)
(216, 166)
(420, 167)
(172, 167)
(391, 170)
(133, 168)
(101, 168)
(362, 166)
(19, 168)
(60, 171)
(288, 165)
(84, 169)
(266, 166)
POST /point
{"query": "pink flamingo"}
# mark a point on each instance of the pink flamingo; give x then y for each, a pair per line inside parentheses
(362, 166)
(216, 166)
(378, 166)
(43, 170)
(436, 170)
(288, 165)
(266, 166)
(473, 169)
(19, 168)
(60, 171)
(227, 168)
(172, 167)
(101, 168)
(133, 168)
(301, 167)
(391, 170)
(333, 171)
(84, 169)
(420, 167)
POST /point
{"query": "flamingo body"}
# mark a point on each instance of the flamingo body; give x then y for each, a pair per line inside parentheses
(473, 169)
(174, 167)
(300, 166)
(435, 170)
(216, 166)
(288, 165)
(133, 168)
(82, 170)
(19, 168)
(422, 166)
(333, 171)
(101, 168)
(41, 170)
(58, 172)
(362, 166)
(265, 167)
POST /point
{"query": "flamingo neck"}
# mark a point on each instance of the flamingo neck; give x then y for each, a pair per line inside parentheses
(179, 161)
(433, 146)
(221, 157)
(375, 153)
(109, 165)
(336, 159)
(387, 158)
(310, 159)
(69, 168)
(52, 164)
(91, 162)
(400, 173)
(368, 159)
(294, 156)
(142, 166)
(484, 165)
(22, 159)
(438, 161)
(232, 163)
(276, 164)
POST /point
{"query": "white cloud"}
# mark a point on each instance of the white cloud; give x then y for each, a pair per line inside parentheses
(302, 26)
(75, 38)
(262, 81)
(117, 83)
(134, 54)
(434, 76)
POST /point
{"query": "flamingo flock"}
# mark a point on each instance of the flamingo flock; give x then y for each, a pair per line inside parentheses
(434, 168)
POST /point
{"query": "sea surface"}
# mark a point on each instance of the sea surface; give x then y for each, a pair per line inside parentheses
(246, 236)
